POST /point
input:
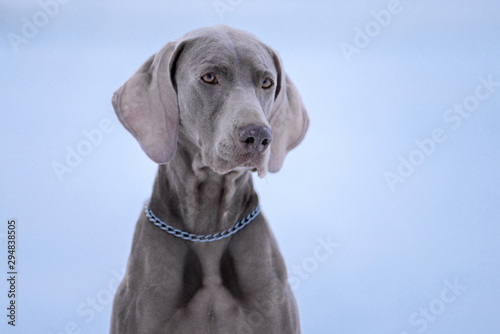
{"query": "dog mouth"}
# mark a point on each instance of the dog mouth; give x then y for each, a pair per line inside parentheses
(230, 158)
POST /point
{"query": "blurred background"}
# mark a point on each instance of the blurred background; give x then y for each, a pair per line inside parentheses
(387, 214)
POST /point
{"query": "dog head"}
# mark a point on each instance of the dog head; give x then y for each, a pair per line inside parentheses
(223, 91)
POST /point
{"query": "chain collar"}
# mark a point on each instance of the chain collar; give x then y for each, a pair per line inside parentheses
(201, 238)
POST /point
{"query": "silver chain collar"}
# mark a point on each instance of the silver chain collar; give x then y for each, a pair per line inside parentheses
(201, 238)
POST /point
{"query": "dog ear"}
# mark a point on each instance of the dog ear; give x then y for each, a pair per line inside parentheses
(146, 104)
(288, 119)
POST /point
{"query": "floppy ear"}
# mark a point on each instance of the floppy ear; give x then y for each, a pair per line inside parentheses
(288, 120)
(146, 104)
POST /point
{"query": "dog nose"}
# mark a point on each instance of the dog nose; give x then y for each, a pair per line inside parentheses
(255, 138)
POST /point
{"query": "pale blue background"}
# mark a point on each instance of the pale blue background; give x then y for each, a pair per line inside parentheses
(396, 248)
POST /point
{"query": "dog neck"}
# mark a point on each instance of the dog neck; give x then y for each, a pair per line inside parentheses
(194, 198)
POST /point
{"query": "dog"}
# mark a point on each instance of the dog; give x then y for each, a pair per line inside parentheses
(210, 108)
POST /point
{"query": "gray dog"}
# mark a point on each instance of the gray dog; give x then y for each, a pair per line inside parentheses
(209, 108)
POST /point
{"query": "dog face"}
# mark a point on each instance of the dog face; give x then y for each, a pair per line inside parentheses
(226, 88)
(221, 90)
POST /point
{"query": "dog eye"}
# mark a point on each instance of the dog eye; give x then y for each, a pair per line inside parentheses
(209, 78)
(267, 83)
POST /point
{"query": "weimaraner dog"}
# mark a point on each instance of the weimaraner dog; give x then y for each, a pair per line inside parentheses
(210, 108)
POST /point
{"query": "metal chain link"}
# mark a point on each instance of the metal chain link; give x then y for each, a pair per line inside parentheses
(201, 238)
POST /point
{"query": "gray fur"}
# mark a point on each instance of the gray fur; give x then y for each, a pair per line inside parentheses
(204, 185)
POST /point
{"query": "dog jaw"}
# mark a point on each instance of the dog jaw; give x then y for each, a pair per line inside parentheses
(227, 158)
